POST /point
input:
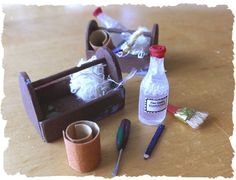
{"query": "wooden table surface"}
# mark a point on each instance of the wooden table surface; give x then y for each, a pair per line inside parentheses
(44, 40)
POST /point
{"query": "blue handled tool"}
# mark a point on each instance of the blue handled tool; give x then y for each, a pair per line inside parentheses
(154, 140)
(121, 141)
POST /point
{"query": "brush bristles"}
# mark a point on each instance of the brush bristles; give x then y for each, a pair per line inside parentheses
(197, 119)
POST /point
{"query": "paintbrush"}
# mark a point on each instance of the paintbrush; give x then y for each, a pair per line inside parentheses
(188, 115)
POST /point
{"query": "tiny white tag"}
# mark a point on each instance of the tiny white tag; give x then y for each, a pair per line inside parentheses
(153, 105)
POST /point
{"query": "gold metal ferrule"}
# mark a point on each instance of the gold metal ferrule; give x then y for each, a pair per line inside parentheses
(184, 114)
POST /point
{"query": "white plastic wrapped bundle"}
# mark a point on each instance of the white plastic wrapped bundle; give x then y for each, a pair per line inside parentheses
(89, 83)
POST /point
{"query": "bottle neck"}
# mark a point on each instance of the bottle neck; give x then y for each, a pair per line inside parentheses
(156, 66)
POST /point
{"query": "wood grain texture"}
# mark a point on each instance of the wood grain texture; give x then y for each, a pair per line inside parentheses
(44, 40)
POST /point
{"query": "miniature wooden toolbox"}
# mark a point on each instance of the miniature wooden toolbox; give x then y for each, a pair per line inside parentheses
(52, 107)
(127, 62)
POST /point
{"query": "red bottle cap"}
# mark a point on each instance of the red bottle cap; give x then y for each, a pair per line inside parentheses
(97, 11)
(157, 51)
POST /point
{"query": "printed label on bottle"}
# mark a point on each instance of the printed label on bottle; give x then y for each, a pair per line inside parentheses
(153, 105)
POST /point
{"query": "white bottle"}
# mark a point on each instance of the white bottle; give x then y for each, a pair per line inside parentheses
(107, 21)
(154, 89)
